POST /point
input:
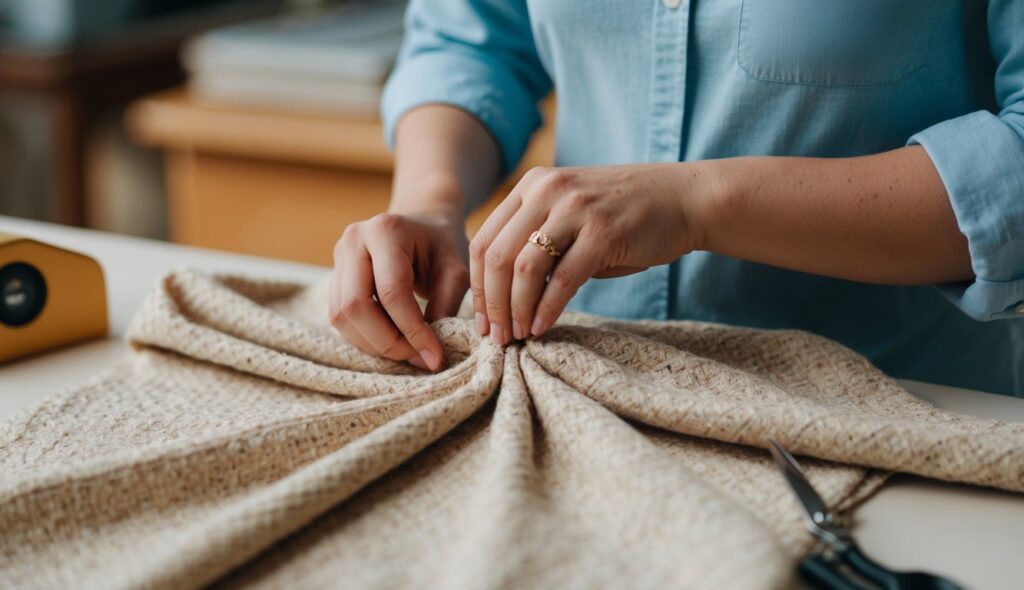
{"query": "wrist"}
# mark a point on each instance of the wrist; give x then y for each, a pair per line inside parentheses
(715, 194)
(437, 195)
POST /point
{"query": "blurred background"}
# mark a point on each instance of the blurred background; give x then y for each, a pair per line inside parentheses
(242, 125)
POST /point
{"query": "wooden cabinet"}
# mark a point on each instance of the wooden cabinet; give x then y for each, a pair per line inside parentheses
(76, 81)
(276, 184)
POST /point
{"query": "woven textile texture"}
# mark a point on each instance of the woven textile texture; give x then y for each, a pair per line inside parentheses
(242, 443)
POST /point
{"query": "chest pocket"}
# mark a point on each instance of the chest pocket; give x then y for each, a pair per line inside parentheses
(834, 42)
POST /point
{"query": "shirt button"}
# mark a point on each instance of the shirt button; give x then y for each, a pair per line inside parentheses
(673, 4)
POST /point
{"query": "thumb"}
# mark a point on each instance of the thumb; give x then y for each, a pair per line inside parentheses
(446, 291)
(619, 271)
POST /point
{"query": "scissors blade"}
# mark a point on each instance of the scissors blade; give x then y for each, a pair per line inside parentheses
(816, 510)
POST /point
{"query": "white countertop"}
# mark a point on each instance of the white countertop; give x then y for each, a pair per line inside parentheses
(974, 535)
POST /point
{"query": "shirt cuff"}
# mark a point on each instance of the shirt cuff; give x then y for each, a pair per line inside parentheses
(979, 297)
(980, 159)
(485, 90)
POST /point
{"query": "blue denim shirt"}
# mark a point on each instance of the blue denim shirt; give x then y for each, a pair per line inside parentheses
(683, 80)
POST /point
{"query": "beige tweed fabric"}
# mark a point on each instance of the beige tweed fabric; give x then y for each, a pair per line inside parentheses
(244, 443)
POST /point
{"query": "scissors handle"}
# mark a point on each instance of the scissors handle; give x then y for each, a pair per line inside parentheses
(822, 574)
(890, 580)
(869, 568)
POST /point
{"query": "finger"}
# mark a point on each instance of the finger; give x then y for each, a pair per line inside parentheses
(392, 272)
(532, 267)
(500, 266)
(478, 250)
(577, 264)
(341, 275)
(363, 313)
(337, 317)
(447, 289)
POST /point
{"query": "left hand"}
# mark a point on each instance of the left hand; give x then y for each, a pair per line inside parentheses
(604, 221)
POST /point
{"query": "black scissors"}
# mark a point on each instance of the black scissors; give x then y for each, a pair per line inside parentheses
(837, 563)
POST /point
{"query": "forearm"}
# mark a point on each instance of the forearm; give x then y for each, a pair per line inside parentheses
(882, 218)
(445, 161)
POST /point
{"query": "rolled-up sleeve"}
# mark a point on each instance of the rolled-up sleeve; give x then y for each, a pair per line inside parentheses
(477, 55)
(980, 157)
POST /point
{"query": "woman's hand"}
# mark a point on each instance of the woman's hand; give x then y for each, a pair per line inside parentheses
(605, 221)
(378, 266)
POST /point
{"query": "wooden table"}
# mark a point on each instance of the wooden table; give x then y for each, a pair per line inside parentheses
(974, 535)
(274, 183)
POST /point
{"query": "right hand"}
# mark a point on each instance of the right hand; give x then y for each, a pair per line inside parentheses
(379, 264)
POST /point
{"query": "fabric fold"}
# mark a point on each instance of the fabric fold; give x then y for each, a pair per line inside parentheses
(243, 443)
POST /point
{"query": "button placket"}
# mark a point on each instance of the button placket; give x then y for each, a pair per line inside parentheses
(668, 81)
(665, 120)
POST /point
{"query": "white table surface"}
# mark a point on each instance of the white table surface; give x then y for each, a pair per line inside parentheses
(974, 535)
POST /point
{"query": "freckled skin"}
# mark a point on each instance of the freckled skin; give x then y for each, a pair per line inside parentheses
(806, 214)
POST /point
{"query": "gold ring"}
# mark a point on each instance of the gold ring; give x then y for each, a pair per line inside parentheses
(542, 241)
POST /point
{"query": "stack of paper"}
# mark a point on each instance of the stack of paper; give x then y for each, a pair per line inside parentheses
(329, 62)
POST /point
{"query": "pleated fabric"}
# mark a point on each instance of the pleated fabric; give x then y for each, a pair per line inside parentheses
(243, 443)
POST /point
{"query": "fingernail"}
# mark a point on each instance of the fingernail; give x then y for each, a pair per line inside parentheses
(430, 359)
(498, 334)
(538, 326)
(481, 324)
(517, 331)
(418, 363)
